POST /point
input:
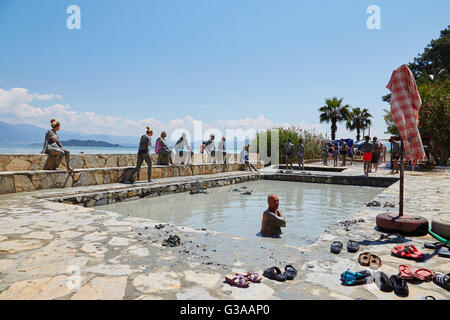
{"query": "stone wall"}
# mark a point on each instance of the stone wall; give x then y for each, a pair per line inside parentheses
(27, 162)
(25, 181)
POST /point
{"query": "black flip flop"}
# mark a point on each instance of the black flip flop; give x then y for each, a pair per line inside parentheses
(290, 272)
(400, 286)
(436, 245)
(382, 282)
(336, 247)
(352, 246)
(274, 274)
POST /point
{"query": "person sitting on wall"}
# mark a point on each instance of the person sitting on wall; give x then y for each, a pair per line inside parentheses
(243, 158)
(52, 146)
(163, 150)
(273, 219)
(143, 154)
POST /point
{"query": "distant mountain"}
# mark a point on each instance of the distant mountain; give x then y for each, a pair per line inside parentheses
(27, 134)
(84, 143)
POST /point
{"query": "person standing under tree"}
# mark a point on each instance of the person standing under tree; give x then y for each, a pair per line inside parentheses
(143, 154)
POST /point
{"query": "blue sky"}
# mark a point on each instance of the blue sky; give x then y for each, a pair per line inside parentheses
(242, 60)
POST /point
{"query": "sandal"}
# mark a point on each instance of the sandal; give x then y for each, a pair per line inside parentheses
(336, 247)
(349, 278)
(375, 261)
(423, 274)
(364, 259)
(238, 281)
(275, 274)
(382, 281)
(290, 272)
(352, 246)
(408, 252)
(405, 271)
(442, 280)
(400, 286)
(252, 277)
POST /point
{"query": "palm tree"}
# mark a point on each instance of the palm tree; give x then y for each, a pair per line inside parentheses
(358, 120)
(333, 111)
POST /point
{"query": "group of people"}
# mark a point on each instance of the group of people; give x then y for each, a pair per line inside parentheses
(329, 152)
(372, 153)
(288, 152)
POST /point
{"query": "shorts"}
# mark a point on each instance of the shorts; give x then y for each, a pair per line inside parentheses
(367, 156)
(375, 157)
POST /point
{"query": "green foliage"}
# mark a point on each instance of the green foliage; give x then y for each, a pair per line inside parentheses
(357, 120)
(333, 112)
(311, 141)
(391, 127)
(434, 123)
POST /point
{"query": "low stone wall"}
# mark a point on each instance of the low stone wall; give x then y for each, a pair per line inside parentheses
(33, 162)
(337, 179)
(107, 197)
(25, 181)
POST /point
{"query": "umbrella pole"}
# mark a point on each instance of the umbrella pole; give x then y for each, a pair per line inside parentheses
(402, 178)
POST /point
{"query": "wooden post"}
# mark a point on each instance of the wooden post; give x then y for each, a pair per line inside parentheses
(402, 178)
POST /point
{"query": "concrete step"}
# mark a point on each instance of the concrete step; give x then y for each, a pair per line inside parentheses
(31, 180)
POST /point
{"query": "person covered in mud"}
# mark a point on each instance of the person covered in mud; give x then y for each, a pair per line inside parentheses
(273, 219)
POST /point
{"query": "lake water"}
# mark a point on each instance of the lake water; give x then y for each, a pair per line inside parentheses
(309, 208)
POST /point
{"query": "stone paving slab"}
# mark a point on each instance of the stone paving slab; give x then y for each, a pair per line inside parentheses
(52, 250)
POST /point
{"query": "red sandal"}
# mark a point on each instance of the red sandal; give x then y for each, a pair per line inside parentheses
(408, 252)
(423, 274)
(238, 281)
(252, 277)
(405, 271)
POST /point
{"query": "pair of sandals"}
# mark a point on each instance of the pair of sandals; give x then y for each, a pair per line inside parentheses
(408, 252)
(243, 280)
(274, 273)
(408, 273)
(369, 260)
(337, 246)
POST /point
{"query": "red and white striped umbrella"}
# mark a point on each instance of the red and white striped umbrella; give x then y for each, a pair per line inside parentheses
(405, 106)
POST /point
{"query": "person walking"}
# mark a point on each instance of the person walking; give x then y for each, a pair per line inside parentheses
(221, 153)
(243, 158)
(52, 146)
(143, 154)
(210, 149)
(180, 155)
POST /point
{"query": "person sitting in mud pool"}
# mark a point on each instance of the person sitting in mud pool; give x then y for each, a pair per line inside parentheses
(273, 219)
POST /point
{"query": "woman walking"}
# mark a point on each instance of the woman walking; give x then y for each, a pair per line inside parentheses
(143, 154)
(53, 146)
(300, 154)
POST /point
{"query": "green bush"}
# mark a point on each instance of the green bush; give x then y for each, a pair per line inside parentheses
(311, 141)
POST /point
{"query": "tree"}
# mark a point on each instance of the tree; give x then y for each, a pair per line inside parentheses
(358, 119)
(333, 112)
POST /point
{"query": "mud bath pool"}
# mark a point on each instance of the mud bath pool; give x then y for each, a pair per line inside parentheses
(309, 208)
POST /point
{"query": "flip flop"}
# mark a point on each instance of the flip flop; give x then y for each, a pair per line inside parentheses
(352, 246)
(435, 245)
(252, 277)
(364, 259)
(408, 252)
(442, 280)
(382, 282)
(238, 281)
(423, 274)
(336, 247)
(375, 261)
(400, 286)
(444, 252)
(274, 274)
(405, 271)
(290, 272)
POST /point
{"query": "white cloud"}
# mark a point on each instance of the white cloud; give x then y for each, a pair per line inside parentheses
(17, 105)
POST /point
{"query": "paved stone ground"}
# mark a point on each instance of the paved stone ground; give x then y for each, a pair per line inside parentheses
(51, 250)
